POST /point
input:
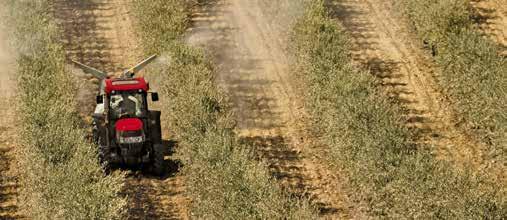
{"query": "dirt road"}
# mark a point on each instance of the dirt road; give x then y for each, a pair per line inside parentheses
(254, 70)
(101, 34)
(493, 20)
(382, 42)
(8, 178)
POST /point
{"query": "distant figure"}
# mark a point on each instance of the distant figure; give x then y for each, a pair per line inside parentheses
(431, 46)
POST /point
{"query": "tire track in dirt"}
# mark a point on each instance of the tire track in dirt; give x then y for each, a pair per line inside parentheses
(492, 19)
(9, 186)
(157, 198)
(101, 34)
(254, 70)
(382, 43)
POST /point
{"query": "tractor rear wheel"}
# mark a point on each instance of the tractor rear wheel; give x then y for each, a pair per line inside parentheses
(158, 163)
(103, 157)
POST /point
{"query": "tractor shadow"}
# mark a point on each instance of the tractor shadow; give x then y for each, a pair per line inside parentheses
(172, 166)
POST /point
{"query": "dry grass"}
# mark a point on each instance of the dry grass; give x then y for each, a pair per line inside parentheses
(61, 177)
(394, 177)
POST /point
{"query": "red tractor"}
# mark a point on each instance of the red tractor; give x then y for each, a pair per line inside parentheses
(125, 130)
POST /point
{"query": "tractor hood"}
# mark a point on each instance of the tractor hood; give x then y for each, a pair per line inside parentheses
(129, 124)
(130, 131)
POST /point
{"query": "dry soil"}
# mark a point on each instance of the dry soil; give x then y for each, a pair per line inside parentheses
(8, 178)
(254, 70)
(493, 20)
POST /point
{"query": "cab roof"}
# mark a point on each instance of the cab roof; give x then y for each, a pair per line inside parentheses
(121, 84)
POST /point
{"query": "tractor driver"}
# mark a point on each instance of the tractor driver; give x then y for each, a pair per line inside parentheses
(126, 104)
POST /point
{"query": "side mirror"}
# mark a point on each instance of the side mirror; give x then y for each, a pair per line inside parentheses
(100, 99)
(154, 96)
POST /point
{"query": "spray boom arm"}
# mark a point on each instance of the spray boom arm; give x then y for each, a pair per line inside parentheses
(90, 70)
(127, 74)
(132, 71)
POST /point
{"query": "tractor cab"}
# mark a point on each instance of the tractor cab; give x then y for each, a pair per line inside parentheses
(129, 104)
(125, 98)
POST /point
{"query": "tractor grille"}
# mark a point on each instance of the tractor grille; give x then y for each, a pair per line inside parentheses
(132, 149)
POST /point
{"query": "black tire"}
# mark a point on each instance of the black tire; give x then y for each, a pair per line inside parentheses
(95, 134)
(158, 163)
(103, 156)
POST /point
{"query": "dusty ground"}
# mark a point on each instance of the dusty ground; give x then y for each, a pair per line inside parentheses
(8, 181)
(382, 42)
(100, 34)
(254, 70)
(493, 20)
